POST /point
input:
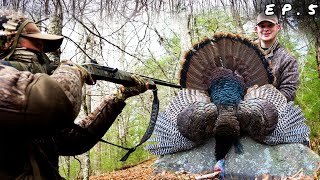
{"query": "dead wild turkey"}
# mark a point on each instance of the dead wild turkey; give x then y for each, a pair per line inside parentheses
(227, 92)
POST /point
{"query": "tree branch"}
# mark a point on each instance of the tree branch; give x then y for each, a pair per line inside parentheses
(97, 35)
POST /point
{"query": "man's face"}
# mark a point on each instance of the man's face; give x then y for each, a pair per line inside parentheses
(267, 31)
(31, 43)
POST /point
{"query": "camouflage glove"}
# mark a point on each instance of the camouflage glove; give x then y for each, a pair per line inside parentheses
(85, 76)
(125, 92)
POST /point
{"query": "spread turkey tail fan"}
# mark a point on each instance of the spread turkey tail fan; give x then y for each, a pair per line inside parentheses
(291, 127)
(226, 51)
(166, 137)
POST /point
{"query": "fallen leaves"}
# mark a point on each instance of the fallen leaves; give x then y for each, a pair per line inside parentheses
(146, 171)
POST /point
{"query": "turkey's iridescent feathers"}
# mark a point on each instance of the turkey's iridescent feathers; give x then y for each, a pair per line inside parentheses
(258, 118)
(200, 116)
(224, 66)
(226, 88)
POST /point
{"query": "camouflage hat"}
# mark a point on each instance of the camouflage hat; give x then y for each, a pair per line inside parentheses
(12, 26)
(52, 41)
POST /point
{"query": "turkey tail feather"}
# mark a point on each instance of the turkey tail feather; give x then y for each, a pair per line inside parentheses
(226, 51)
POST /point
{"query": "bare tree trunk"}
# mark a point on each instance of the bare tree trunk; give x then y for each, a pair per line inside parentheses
(97, 159)
(4, 3)
(91, 44)
(68, 161)
(317, 46)
(123, 123)
(123, 130)
(86, 155)
(97, 148)
(184, 19)
(86, 165)
(73, 9)
(56, 28)
(235, 11)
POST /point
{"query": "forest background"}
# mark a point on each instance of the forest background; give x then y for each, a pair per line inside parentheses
(149, 37)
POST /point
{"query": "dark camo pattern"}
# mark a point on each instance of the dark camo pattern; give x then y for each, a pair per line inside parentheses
(13, 89)
(14, 86)
(26, 60)
(70, 80)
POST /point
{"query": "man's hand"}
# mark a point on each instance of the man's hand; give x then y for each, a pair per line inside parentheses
(85, 75)
(125, 92)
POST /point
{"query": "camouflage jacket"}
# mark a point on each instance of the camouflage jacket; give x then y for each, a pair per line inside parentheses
(25, 157)
(286, 71)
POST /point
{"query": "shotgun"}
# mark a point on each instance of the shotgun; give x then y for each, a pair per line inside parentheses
(117, 76)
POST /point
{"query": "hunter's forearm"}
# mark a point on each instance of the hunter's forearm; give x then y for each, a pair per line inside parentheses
(75, 141)
(99, 121)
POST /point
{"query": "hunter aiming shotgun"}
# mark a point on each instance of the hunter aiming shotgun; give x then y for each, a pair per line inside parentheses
(114, 75)
(105, 73)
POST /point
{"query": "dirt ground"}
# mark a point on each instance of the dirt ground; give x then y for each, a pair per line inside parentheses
(145, 171)
(142, 171)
